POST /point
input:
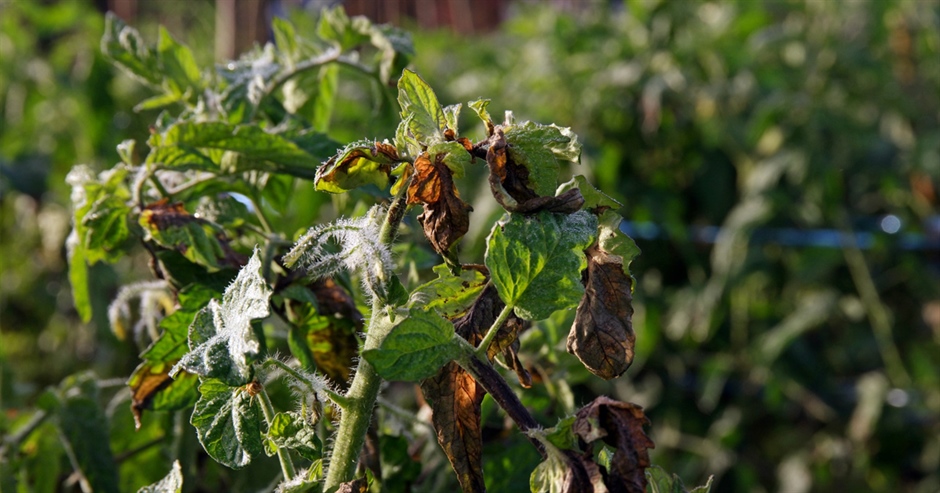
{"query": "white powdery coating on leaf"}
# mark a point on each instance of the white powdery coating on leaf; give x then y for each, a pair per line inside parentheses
(246, 299)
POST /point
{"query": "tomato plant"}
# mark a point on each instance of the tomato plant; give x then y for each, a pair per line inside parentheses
(272, 339)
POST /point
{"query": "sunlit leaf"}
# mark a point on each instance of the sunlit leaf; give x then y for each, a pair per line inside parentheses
(292, 431)
(358, 164)
(536, 261)
(181, 74)
(172, 227)
(448, 295)
(513, 183)
(171, 483)
(221, 340)
(124, 46)
(540, 149)
(417, 98)
(415, 349)
(228, 423)
(593, 198)
(151, 386)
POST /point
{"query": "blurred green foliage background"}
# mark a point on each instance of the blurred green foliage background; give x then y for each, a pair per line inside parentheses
(776, 362)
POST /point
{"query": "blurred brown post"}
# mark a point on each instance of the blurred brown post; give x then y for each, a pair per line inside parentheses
(126, 10)
(239, 24)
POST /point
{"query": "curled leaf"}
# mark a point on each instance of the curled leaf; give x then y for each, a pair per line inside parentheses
(620, 426)
(602, 335)
(515, 187)
(446, 218)
(201, 242)
(358, 164)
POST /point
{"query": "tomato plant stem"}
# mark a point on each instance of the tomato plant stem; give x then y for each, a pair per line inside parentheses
(287, 465)
(364, 390)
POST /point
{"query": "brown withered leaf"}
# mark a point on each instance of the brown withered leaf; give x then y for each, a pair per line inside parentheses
(602, 335)
(455, 397)
(446, 217)
(509, 183)
(337, 340)
(620, 426)
(360, 485)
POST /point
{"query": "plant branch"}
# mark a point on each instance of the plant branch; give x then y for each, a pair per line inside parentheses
(287, 465)
(494, 384)
(364, 390)
(337, 399)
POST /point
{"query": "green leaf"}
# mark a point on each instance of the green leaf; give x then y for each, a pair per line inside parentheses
(228, 423)
(82, 424)
(593, 198)
(124, 46)
(101, 211)
(158, 101)
(417, 98)
(171, 483)
(452, 116)
(151, 386)
(549, 476)
(173, 228)
(479, 107)
(285, 38)
(399, 468)
(181, 74)
(662, 482)
(455, 156)
(358, 164)
(614, 241)
(201, 146)
(78, 277)
(536, 261)
(415, 349)
(448, 295)
(290, 430)
(561, 434)
(221, 340)
(541, 149)
(405, 142)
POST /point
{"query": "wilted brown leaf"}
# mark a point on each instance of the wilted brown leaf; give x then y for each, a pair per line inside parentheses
(602, 335)
(455, 396)
(360, 485)
(446, 217)
(507, 342)
(620, 426)
(509, 183)
(335, 346)
(145, 387)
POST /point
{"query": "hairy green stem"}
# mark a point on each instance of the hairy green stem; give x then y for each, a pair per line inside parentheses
(287, 465)
(482, 349)
(364, 390)
(337, 399)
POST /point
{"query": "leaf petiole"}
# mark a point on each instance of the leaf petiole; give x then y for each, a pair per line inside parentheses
(287, 465)
(338, 399)
(481, 350)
